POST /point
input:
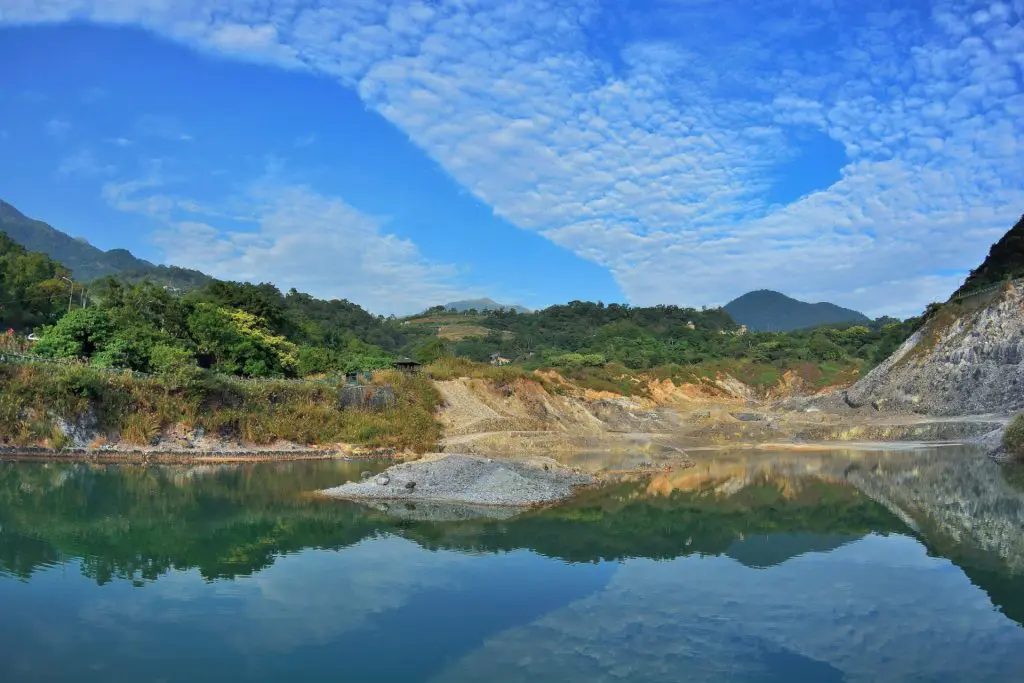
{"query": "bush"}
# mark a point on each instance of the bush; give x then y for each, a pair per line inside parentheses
(573, 361)
(1013, 438)
(78, 334)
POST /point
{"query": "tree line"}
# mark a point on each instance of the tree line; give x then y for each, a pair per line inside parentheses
(255, 330)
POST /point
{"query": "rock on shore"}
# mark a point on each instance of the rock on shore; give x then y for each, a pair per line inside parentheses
(470, 480)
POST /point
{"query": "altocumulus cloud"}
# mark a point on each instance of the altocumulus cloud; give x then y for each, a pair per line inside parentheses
(647, 140)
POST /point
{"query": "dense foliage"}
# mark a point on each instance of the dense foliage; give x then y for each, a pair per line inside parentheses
(582, 334)
(231, 328)
(32, 291)
(255, 330)
(1005, 261)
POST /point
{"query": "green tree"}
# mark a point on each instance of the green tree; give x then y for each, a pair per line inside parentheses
(79, 334)
(238, 343)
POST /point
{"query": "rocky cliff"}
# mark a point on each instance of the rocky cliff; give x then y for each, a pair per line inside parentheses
(966, 359)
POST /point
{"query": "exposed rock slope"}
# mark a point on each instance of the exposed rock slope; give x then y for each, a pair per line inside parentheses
(965, 360)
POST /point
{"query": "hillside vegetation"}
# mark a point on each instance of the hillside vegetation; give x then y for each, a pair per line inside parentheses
(258, 331)
(34, 288)
(85, 261)
(605, 344)
(195, 346)
(74, 405)
(1005, 261)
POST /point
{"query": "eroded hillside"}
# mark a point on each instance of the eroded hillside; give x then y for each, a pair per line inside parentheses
(966, 359)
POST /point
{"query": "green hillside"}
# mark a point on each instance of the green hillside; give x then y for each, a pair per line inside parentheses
(1005, 261)
(85, 261)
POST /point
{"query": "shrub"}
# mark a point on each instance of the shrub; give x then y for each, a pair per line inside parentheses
(78, 334)
(1013, 438)
(173, 362)
(141, 429)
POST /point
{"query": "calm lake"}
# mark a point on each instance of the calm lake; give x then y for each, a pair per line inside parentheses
(904, 565)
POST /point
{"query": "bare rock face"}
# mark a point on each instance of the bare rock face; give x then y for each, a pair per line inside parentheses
(81, 432)
(965, 360)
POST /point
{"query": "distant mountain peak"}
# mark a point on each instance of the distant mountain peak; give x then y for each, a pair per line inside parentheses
(483, 304)
(765, 310)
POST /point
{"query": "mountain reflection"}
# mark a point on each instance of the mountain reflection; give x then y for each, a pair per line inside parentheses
(137, 522)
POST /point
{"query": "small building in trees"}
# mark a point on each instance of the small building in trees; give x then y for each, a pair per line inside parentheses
(407, 365)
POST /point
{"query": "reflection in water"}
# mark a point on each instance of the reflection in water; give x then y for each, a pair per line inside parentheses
(749, 566)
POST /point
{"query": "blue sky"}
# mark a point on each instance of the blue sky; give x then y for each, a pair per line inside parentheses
(403, 154)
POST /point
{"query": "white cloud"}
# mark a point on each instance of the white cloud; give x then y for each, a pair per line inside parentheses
(83, 163)
(57, 127)
(163, 127)
(295, 237)
(654, 157)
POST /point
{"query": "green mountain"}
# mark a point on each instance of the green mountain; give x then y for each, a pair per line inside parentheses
(483, 304)
(1005, 261)
(85, 261)
(768, 311)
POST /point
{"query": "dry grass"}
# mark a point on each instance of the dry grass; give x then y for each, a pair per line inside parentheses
(460, 331)
(454, 368)
(137, 410)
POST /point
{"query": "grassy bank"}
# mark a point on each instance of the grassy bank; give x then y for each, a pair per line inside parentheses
(133, 409)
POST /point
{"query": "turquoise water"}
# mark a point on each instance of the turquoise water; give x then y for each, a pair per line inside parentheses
(844, 566)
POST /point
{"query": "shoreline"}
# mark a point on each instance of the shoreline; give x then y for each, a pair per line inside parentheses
(130, 457)
(241, 456)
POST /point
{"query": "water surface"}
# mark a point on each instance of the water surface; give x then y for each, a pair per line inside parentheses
(839, 566)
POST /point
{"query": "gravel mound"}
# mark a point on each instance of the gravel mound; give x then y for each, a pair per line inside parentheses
(470, 480)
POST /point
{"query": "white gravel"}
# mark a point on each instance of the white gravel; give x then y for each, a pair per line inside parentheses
(470, 480)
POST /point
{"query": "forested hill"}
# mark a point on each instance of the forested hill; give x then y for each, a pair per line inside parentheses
(257, 330)
(231, 327)
(768, 311)
(1005, 261)
(32, 291)
(85, 261)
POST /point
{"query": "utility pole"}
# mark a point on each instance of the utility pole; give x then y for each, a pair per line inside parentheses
(71, 294)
